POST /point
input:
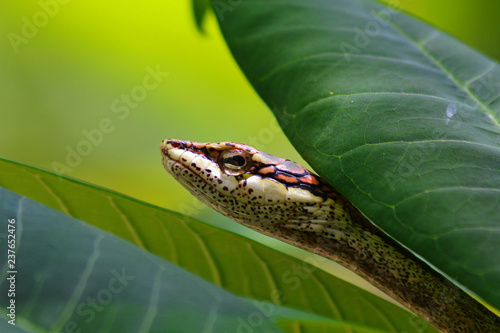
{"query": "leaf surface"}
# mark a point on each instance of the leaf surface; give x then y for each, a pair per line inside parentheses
(235, 263)
(74, 277)
(401, 118)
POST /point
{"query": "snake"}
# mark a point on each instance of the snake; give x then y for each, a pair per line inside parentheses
(284, 200)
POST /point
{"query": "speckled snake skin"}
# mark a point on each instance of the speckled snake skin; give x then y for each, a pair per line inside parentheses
(283, 200)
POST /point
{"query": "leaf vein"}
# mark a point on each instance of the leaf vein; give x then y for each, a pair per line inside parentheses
(150, 315)
(80, 287)
(449, 73)
(131, 228)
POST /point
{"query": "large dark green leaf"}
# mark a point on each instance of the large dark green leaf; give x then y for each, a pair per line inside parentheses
(233, 262)
(399, 117)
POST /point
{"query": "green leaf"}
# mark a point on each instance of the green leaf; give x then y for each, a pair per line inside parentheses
(401, 118)
(71, 276)
(87, 280)
(230, 261)
(200, 11)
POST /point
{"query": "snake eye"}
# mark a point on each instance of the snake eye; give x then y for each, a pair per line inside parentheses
(234, 162)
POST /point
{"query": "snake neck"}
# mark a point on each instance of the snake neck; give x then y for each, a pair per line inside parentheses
(333, 228)
(336, 230)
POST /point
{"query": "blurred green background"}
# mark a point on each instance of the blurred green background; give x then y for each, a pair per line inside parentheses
(67, 66)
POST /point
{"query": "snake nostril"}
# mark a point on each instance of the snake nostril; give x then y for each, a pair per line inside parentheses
(177, 144)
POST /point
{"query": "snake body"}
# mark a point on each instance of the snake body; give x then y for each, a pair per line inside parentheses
(283, 200)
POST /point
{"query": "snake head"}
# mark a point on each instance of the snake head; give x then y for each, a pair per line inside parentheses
(243, 183)
(239, 170)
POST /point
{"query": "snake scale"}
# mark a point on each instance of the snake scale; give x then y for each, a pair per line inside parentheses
(283, 200)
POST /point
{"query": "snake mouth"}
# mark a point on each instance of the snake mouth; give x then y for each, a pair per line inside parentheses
(177, 158)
